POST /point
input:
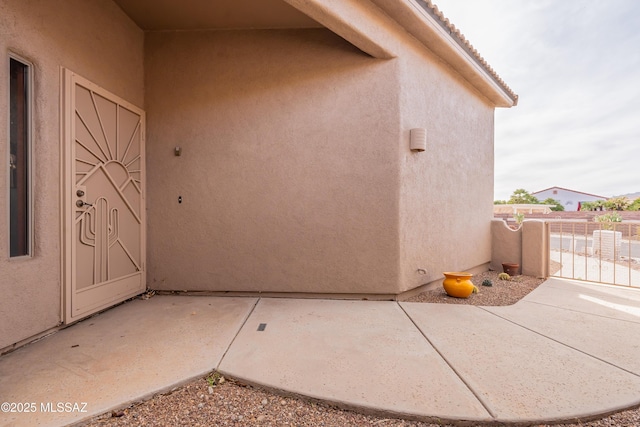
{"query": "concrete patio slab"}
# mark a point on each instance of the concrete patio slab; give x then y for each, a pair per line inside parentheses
(124, 354)
(604, 300)
(565, 351)
(356, 353)
(601, 337)
(520, 375)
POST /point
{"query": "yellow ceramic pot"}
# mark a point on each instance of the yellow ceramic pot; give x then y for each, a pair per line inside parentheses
(458, 284)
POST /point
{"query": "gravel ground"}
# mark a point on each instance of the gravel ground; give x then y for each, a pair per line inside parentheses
(502, 292)
(214, 401)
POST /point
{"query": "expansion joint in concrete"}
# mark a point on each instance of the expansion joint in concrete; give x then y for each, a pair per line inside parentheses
(484, 404)
(246, 318)
(581, 311)
(563, 344)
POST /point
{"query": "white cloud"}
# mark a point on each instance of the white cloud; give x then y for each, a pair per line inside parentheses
(576, 66)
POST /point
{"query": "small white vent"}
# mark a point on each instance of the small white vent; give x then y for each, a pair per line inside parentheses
(418, 139)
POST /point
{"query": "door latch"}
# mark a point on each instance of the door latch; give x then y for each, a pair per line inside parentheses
(81, 192)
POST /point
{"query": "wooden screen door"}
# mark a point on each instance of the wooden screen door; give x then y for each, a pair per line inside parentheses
(104, 209)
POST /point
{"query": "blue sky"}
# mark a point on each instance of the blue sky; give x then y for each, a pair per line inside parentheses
(575, 65)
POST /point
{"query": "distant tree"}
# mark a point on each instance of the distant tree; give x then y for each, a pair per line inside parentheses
(635, 205)
(522, 196)
(596, 205)
(617, 203)
(499, 202)
(587, 206)
(557, 205)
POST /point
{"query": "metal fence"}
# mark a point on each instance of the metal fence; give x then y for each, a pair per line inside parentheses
(595, 252)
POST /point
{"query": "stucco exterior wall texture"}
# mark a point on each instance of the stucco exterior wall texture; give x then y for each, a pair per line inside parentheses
(94, 39)
(296, 174)
(289, 167)
(527, 246)
(446, 191)
(535, 248)
(506, 245)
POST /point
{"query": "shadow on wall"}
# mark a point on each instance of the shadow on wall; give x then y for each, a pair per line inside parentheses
(281, 63)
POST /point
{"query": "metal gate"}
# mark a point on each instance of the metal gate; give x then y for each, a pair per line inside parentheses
(603, 252)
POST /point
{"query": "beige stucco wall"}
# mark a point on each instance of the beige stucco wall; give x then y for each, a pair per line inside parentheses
(289, 169)
(447, 190)
(527, 246)
(295, 173)
(96, 40)
(535, 248)
(506, 245)
(296, 149)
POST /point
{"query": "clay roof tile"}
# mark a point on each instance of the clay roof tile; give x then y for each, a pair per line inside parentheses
(464, 43)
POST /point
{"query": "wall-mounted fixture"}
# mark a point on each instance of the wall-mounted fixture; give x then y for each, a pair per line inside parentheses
(177, 151)
(418, 139)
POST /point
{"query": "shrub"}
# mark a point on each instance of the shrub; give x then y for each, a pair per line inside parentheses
(617, 203)
(557, 206)
(519, 217)
(608, 219)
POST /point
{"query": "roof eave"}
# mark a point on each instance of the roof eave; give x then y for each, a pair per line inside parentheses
(422, 20)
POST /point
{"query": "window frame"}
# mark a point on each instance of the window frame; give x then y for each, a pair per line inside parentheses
(29, 154)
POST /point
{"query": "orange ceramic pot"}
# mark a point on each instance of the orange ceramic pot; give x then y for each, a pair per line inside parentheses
(458, 284)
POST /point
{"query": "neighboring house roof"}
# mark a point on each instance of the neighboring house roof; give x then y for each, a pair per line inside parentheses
(572, 191)
(433, 10)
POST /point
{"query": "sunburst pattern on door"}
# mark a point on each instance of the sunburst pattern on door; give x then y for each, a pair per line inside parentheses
(108, 176)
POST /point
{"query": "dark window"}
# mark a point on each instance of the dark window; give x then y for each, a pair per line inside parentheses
(19, 184)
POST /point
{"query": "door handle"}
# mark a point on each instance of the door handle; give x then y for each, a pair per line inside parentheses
(81, 203)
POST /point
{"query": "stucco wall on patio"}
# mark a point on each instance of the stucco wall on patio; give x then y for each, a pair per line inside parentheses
(506, 246)
(94, 39)
(295, 146)
(289, 168)
(295, 173)
(446, 191)
(528, 246)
